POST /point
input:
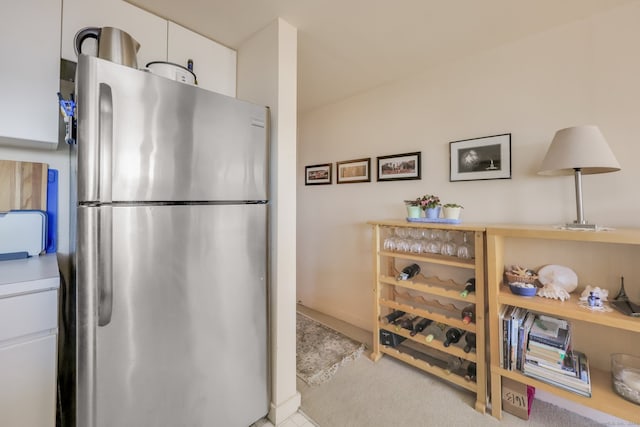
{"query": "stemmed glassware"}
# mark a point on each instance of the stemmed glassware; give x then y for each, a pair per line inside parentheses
(435, 242)
(465, 249)
(389, 243)
(448, 247)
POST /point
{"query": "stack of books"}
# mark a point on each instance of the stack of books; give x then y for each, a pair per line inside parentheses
(548, 355)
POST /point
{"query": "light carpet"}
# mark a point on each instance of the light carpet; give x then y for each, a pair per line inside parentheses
(320, 350)
(392, 393)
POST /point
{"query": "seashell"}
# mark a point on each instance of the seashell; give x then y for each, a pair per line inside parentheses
(554, 292)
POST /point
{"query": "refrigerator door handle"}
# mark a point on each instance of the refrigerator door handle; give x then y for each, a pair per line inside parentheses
(104, 276)
(105, 142)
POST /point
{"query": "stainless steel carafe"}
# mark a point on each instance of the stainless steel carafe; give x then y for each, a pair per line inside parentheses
(114, 44)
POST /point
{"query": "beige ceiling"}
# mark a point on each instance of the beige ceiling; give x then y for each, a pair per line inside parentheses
(349, 46)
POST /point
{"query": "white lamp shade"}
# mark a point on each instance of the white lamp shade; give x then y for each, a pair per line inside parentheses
(582, 147)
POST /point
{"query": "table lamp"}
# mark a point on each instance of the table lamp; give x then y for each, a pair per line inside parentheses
(579, 150)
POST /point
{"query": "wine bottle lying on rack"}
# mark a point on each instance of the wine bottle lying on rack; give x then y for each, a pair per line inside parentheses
(470, 339)
(405, 323)
(434, 331)
(452, 335)
(470, 286)
(419, 327)
(453, 364)
(468, 314)
(471, 372)
(408, 272)
(393, 316)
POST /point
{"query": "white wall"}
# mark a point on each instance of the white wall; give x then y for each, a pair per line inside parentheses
(582, 73)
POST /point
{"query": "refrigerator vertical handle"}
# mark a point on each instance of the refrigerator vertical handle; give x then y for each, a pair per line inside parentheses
(105, 141)
(104, 270)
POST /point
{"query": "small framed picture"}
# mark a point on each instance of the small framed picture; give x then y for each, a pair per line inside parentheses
(317, 174)
(353, 171)
(399, 167)
(488, 157)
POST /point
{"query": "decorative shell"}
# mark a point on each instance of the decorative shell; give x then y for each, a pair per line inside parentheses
(554, 292)
(560, 276)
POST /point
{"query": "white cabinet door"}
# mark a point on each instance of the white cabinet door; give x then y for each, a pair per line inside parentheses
(30, 72)
(28, 383)
(149, 30)
(213, 64)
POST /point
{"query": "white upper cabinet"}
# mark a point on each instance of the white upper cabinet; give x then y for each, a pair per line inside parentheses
(213, 64)
(30, 72)
(149, 30)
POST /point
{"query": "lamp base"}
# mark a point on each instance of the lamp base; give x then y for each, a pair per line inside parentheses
(581, 226)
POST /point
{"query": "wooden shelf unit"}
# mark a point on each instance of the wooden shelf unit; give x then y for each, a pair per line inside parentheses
(431, 297)
(603, 397)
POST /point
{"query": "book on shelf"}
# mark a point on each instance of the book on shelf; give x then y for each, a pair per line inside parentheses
(523, 338)
(505, 314)
(578, 382)
(516, 320)
(550, 331)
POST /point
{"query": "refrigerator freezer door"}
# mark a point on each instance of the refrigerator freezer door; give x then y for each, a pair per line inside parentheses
(142, 137)
(186, 344)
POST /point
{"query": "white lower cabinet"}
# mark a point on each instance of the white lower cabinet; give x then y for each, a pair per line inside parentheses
(28, 341)
(28, 383)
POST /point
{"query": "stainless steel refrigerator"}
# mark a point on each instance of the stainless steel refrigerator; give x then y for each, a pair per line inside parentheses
(171, 256)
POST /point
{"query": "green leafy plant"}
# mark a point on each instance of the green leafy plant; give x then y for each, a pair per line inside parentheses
(452, 205)
(415, 202)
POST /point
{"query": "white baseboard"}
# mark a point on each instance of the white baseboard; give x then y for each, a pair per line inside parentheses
(277, 414)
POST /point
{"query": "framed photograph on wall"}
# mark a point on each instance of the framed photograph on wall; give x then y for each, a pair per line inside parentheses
(488, 157)
(399, 167)
(317, 174)
(353, 171)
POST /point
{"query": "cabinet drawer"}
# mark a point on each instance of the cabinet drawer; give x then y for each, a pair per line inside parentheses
(27, 314)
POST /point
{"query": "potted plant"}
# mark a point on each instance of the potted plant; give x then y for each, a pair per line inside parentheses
(451, 210)
(431, 205)
(413, 208)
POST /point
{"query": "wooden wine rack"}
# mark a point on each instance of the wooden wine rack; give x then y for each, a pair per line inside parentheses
(431, 297)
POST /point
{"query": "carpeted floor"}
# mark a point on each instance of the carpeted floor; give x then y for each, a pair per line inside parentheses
(392, 393)
(320, 350)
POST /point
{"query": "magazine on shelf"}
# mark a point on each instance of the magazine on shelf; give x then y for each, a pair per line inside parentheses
(550, 331)
(548, 352)
(568, 366)
(579, 383)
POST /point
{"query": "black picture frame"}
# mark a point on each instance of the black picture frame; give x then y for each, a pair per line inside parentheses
(320, 174)
(353, 171)
(488, 157)
(399, 167)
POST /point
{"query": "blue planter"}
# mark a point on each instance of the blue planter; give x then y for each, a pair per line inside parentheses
(432, 213)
